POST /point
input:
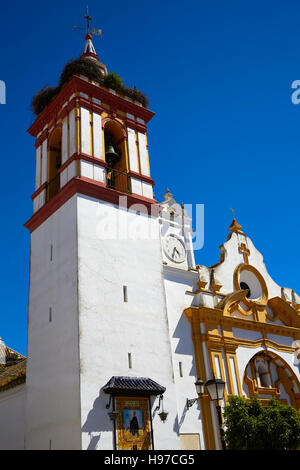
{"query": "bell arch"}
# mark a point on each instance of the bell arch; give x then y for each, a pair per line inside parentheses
(116, 155)
(54, 162)
(267, 375)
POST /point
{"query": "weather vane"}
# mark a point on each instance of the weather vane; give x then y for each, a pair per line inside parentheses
(93, 31)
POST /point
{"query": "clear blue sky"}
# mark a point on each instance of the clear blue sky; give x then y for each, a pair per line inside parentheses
(218, 75)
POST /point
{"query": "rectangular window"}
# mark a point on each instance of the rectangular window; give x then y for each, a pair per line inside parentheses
(50, 314)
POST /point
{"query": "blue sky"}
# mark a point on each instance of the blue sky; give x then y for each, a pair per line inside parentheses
(226, 133)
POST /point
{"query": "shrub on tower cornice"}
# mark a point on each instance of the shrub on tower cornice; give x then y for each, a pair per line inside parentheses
(90, 69)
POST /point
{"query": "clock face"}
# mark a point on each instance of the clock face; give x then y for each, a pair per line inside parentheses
(174, 249)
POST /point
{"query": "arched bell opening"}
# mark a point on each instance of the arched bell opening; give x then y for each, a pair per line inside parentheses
(116, 157)
(54, 163)
(267, 375)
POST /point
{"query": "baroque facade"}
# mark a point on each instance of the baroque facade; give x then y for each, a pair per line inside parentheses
(121, 320)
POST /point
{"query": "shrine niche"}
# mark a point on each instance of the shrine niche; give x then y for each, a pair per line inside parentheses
(133, 423)
(267, 375)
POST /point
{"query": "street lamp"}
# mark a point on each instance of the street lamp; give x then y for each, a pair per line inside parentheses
(199, 384)
(215, 388)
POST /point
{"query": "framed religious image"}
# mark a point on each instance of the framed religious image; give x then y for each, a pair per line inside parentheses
(133, 423)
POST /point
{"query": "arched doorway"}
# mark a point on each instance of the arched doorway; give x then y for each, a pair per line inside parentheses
(54, 163)
(267, 375)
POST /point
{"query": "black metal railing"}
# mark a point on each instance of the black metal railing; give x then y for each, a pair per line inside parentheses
(118, 180)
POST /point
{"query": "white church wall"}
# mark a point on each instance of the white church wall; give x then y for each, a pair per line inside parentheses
(224, 271)
(143, 154)
(147, 190)
(97, 135)
(85, 131)
(52, 405)
(177, 282)
(38, 168)
(12, 418)
(111, 328)
(44, 161)
(132, 150)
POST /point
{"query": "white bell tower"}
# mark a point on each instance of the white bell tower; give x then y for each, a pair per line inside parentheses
(97, 309)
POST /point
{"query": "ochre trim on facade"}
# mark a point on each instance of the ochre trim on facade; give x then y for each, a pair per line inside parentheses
(217, 336)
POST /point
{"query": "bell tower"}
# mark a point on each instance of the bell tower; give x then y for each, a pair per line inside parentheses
(94, 134)
(97, 309)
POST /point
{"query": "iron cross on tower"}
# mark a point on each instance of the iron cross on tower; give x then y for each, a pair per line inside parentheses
(92, 31)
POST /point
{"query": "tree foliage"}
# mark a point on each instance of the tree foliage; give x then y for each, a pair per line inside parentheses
(251, 426)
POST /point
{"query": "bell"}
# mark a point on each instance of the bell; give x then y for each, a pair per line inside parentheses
(111, 154)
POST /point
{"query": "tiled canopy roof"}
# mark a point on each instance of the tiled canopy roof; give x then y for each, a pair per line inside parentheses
(133, 386)
(13, 370)
(12, 375)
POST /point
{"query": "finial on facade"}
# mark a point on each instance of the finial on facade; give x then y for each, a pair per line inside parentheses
(167, 195)
(235, 227)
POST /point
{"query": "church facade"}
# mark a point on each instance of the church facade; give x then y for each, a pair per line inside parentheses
(121, 320)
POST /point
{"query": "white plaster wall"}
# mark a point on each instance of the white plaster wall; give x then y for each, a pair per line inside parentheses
(53, 404)
(92, 171)
(97, 135)
(86, 169)
(38, 168)
(44, 161)
(85, 131)
(110, 328)
(147, 190)
(64, 177)
(136, 186)
(177, 282)
(99, 173)
(133, 157)
(143, 154)
(12, 418)
(39, 200)
(72, 170)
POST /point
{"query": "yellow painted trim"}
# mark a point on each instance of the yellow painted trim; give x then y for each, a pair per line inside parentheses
(236, 276)
(206, 314)
(147, 148)
(207, 422)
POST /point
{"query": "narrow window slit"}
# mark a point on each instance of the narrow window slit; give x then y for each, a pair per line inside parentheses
(125, 294)
(129, 361)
